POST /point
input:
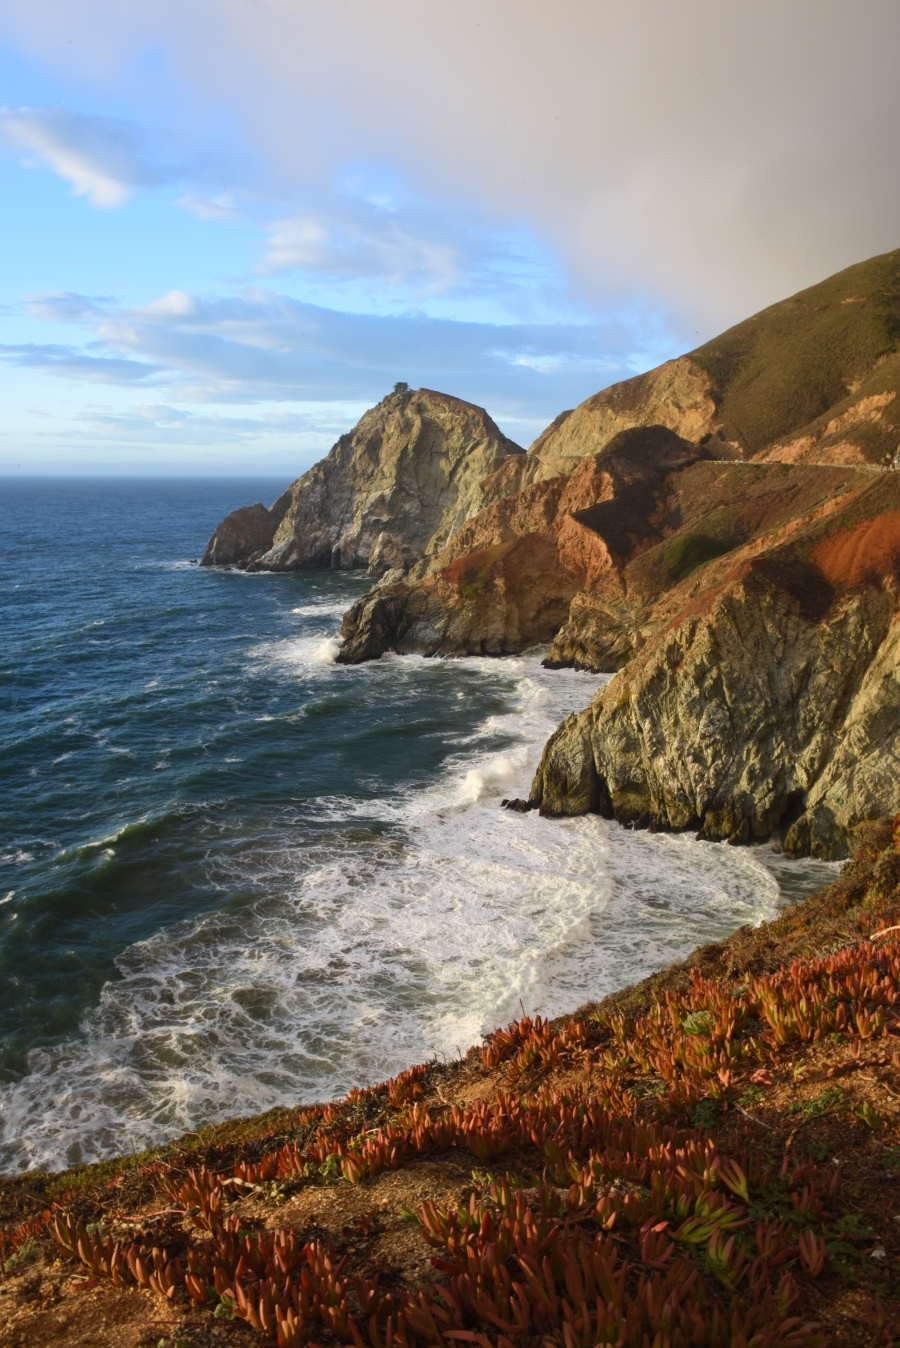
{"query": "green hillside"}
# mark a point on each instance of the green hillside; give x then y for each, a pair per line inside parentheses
(794, 362)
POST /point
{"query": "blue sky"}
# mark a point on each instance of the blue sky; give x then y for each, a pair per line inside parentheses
(229, 228)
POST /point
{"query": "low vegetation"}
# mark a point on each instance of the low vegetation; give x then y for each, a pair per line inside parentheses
(709, 1158)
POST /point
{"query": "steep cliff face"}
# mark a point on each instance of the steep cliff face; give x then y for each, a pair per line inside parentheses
(771, 699)
(412, 471)
(507, 579)
(247, 532)
(678, 395)
(693, 528)
(711, 510)
(593, 562)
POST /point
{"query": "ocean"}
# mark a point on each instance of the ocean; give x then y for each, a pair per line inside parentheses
(234, 874)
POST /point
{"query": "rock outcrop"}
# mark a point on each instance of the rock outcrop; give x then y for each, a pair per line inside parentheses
(814, 378)
(245, 533)
(393, 490)
(680, 527)
(588, 562)
(678, 395)
(770, 699)
(506, 580)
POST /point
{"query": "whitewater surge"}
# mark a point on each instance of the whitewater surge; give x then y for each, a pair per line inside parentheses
(378, 947)
(234, 874)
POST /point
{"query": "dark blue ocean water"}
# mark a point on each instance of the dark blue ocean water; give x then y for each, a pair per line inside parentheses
(233, 873)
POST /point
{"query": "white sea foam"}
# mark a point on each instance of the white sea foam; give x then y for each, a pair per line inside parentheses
(327, 651)
(298, 655)
(373, 947)
(336, 610)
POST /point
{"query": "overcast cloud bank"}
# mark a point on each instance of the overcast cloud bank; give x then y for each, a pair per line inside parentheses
(515, 203)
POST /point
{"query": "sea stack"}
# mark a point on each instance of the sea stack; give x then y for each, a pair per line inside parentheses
(391, 491)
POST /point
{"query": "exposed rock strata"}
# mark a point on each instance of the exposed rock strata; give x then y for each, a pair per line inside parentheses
(614, 539)
(394, 489)
(732, 511)
(678, 395)
(813, 378)
(507, 579)
(771, 699)
(680, 521)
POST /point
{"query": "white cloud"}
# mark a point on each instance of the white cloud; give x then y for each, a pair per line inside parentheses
(369, 243)
(222, 206)
(107, 159)
(265, 347)
(718, 155)
(72, 362)
(160, 424)
(102, 159)
(176, 304)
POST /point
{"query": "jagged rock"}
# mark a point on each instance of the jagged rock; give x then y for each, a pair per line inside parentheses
(760, 691)
(587, 562)
(772, 699)
(708, 510)
(507, 579)
(394, 489)
(245, 533)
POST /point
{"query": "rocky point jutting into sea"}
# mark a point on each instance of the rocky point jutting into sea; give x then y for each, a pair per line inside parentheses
(721, 533)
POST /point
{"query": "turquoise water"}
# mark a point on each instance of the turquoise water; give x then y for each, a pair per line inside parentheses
(233, 873)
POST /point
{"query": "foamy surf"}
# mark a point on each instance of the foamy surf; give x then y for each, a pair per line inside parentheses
(403, 926)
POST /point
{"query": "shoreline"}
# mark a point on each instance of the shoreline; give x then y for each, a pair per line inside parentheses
(789, 1093)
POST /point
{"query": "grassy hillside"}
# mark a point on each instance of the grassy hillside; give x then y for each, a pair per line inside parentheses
(785, 367)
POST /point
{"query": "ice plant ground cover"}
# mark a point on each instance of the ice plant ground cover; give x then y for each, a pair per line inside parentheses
(709, 1158)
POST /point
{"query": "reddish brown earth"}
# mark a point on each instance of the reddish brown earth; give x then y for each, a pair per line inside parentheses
(862, 554)
(758, 1083)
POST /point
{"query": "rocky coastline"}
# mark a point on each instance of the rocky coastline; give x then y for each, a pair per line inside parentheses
(722, 534)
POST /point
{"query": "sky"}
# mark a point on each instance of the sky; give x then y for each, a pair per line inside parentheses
(230, 226)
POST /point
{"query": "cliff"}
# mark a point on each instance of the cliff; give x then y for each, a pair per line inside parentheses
(507, 579)
(671, 527)
(390, 492)
(767, 697)
(813, 378)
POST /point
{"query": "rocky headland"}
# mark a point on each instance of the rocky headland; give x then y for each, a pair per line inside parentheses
(390, 492)
(722, 534)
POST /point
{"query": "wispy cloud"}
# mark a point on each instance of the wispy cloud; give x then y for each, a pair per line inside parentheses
(264, 346)
(160, 424)
(106, 159)
(367, 242)
(102, 159)
(73, 362)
